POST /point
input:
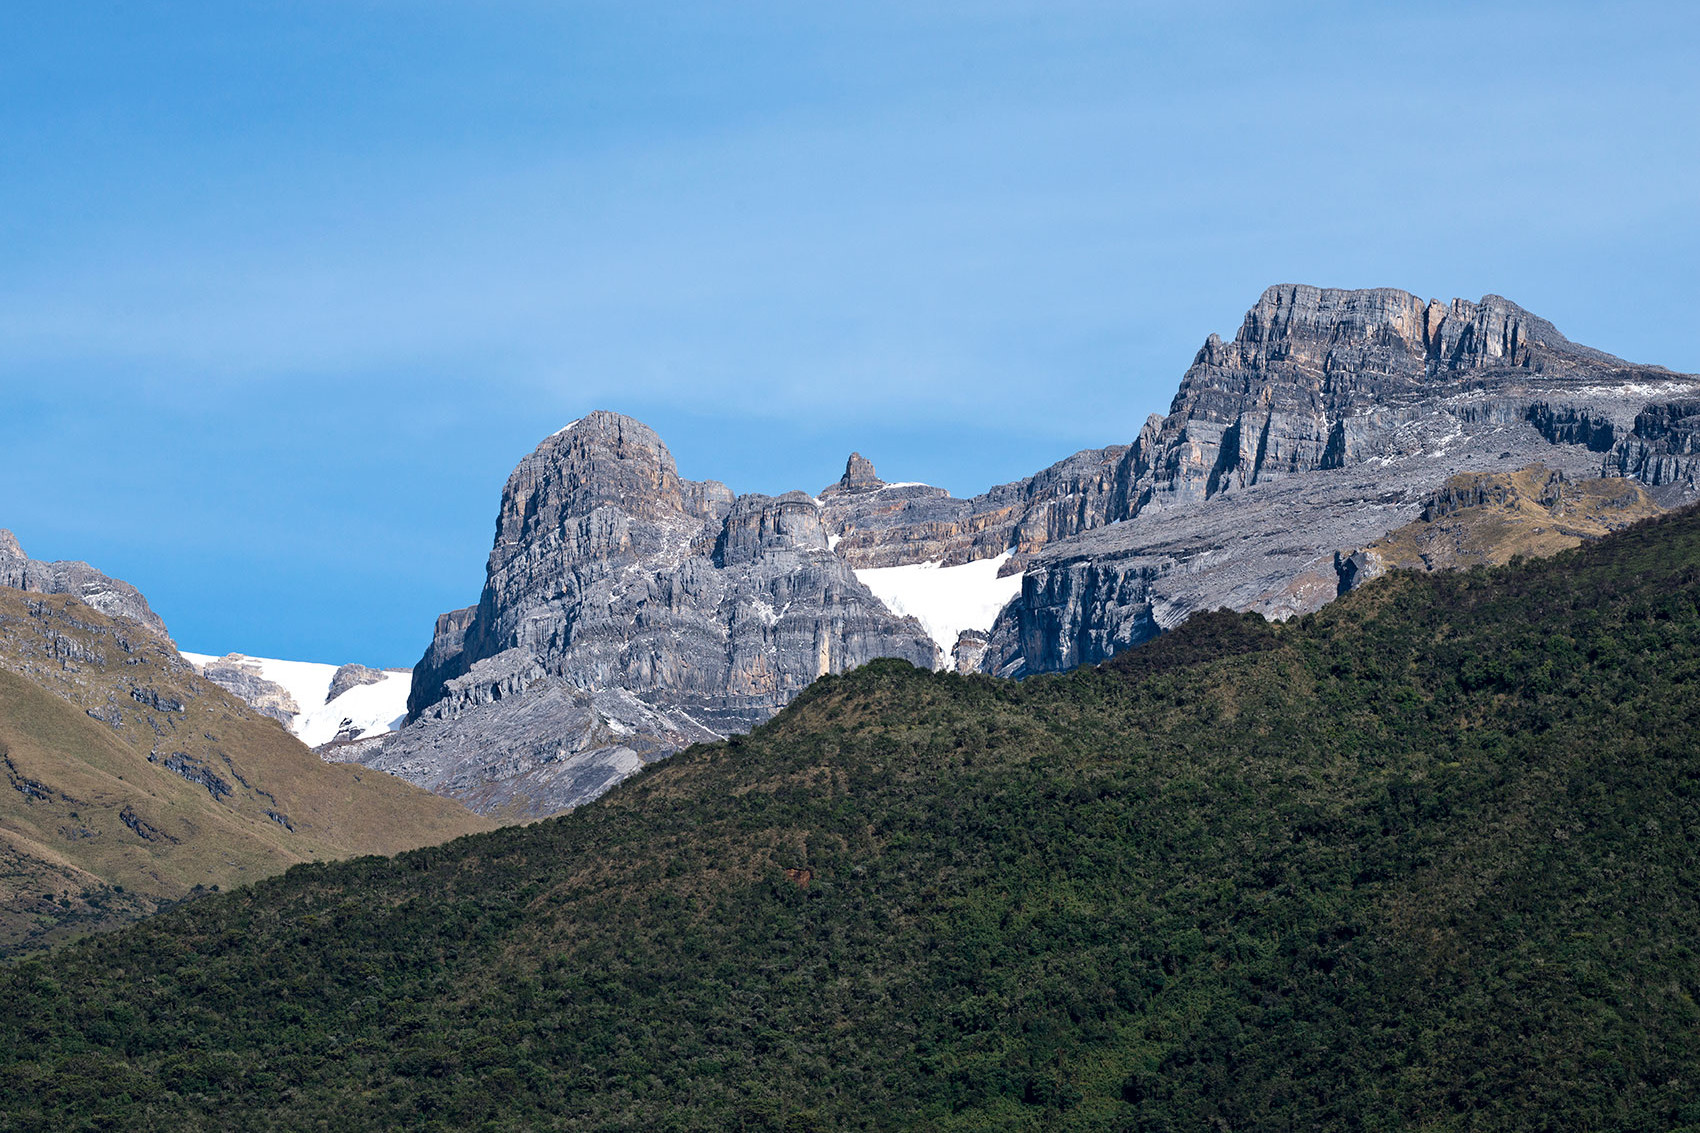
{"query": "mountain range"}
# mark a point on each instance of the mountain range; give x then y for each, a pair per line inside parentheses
(1348, 783)
(131, 782)
(628, 612)
(1423, 859)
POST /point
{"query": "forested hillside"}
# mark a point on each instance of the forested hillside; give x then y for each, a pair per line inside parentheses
(1425, 859)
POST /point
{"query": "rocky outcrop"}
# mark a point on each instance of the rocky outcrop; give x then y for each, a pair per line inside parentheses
(1663, 449)
(1485, 519)
(859, 476)
(241, 675)
(875, 524)
(110, 596)
(1331, 419)
(969, 653)
(707, 613)
(1328, 421)
(351, 676)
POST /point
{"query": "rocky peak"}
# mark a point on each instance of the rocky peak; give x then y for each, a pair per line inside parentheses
(110, 596)
(610, 571)
(859, 476)
(1320, 378)
(604, 462)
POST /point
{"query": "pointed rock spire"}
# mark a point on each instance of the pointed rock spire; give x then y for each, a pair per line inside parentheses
(859, 476)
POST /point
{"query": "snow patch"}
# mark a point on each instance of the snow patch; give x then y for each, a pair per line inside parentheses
(945, 600)
(1637, 389)
(372, 709)
(764, 611)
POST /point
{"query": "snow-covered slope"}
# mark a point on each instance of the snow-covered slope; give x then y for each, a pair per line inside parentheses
(945, 600)
(366, 710)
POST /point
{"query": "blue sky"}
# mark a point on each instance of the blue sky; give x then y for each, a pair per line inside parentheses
(288, 288)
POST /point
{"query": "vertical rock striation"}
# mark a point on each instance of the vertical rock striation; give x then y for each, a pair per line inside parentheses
(110, 596)
(611, 572)
(628, 611)
(1324, 424)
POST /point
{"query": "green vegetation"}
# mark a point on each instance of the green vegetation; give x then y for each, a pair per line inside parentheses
(1424, 860)
(128, 782)
(1484, 518)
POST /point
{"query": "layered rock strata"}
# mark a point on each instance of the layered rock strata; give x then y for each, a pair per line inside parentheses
(628, 611)
(610, 573)
(112, 597)
(241, 675)
(1328, 421)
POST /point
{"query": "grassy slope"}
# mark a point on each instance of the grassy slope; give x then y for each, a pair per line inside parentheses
(93, 831)
(1525, 512)
(1424, 860)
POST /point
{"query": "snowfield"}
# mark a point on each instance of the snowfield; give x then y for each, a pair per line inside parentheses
(374, 708)
(945, 600)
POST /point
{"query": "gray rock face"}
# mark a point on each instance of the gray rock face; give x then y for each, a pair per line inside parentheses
(110, 596)
(705, 612)
(514, 741)
(1663, 448)
(351, 676)
(874, 524)
(628, 611)
(1324, 424)
(241, 675)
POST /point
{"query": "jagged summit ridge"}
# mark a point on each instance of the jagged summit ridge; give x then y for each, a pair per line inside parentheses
(1290, 322)
(110, 596)
(1322, 425)
(609, 571)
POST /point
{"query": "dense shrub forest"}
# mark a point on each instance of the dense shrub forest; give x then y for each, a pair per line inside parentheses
(1425, 860)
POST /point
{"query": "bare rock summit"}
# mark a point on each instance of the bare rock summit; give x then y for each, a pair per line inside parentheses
(111, 596)
(609, 572)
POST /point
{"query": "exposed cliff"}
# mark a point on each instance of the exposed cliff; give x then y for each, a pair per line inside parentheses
(1328, 421)
(111, 596)
(611, 572)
